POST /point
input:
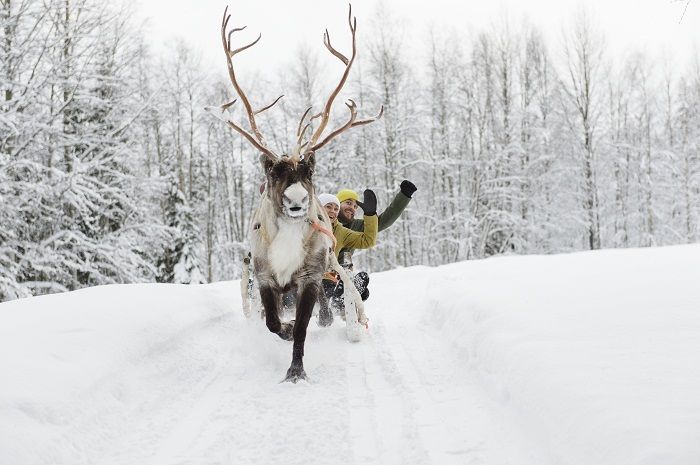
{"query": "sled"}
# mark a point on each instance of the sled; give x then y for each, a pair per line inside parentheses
(355, 320)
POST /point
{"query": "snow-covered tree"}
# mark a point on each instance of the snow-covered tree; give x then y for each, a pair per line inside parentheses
(583, 84)
(179, 263)
(514, 147)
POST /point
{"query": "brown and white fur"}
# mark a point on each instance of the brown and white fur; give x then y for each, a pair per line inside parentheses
(289, 254)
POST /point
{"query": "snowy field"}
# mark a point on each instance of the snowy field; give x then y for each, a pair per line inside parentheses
(582, 359)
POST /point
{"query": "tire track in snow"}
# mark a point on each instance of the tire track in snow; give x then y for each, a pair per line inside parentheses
(399, 396)
(176, 447)
(455, 415)
(379, 403)
(253, 418)
(176, 380)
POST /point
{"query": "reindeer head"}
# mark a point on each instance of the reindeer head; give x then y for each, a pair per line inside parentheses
(289, 177)
(289, 185)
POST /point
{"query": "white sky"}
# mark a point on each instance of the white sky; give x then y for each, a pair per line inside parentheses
(651, 25)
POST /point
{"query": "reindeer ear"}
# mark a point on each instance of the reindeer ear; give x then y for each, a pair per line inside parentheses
(266, 163)
(310, 160)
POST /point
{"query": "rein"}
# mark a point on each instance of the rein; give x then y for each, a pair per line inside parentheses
(316, 226)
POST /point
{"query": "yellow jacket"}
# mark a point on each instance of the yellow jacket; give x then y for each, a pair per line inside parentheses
(347, 238)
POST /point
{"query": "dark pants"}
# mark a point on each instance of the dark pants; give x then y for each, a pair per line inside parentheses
(334, 291)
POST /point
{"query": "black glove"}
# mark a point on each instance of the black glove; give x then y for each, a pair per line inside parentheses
(408, 188)
(369, 203)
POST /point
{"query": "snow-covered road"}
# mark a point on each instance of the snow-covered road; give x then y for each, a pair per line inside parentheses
(503, 361)
(400, 396)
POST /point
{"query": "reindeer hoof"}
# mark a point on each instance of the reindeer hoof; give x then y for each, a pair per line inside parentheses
(287, 331)
(325, 317)
(295, 373)
(325, 320)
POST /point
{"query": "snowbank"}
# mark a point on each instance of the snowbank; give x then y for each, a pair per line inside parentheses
(598, 352)
(68, 362)
(588, 358)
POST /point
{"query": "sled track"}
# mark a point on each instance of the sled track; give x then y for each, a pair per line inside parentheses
(214, 396)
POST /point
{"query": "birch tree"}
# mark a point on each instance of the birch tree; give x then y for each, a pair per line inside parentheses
(583, 49)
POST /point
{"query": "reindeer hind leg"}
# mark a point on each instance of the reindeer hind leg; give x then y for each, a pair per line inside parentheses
(325, 313)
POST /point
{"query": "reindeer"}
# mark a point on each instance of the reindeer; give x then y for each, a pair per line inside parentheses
(291, 239)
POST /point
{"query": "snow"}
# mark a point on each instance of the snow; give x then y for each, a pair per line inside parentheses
(587, 358)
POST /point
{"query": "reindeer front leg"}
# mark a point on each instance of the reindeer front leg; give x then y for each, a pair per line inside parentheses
(305, 305)
(271, 300)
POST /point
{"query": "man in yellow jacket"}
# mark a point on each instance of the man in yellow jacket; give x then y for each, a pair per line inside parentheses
(345, 238)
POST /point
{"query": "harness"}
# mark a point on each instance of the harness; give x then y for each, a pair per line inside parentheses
(316, 226)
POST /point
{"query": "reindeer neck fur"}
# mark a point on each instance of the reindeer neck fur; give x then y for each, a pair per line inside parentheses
(287, 250)
(285, 242)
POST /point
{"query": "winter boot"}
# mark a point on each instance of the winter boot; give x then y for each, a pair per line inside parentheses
(361, 282)
(336, 299)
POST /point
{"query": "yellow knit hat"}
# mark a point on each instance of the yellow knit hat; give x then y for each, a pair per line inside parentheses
(346, 194)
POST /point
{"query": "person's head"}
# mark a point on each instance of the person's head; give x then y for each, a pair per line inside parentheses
(331, 204)
(348, 205)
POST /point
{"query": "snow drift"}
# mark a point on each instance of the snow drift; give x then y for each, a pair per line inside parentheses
(587, 358)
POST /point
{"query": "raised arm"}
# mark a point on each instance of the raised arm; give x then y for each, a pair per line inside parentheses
(349, 239)
(397, 206)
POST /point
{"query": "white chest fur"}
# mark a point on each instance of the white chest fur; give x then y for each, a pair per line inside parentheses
(286, 252)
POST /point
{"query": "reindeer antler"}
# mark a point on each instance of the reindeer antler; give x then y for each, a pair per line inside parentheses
(312, 145)
(256, 138)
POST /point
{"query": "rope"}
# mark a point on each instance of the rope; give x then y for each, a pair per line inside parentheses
(319, 227)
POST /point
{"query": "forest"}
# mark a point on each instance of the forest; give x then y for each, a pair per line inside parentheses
(111, 171)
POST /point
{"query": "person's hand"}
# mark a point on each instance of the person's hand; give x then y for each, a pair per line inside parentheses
(369, 203)
(408, 188)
